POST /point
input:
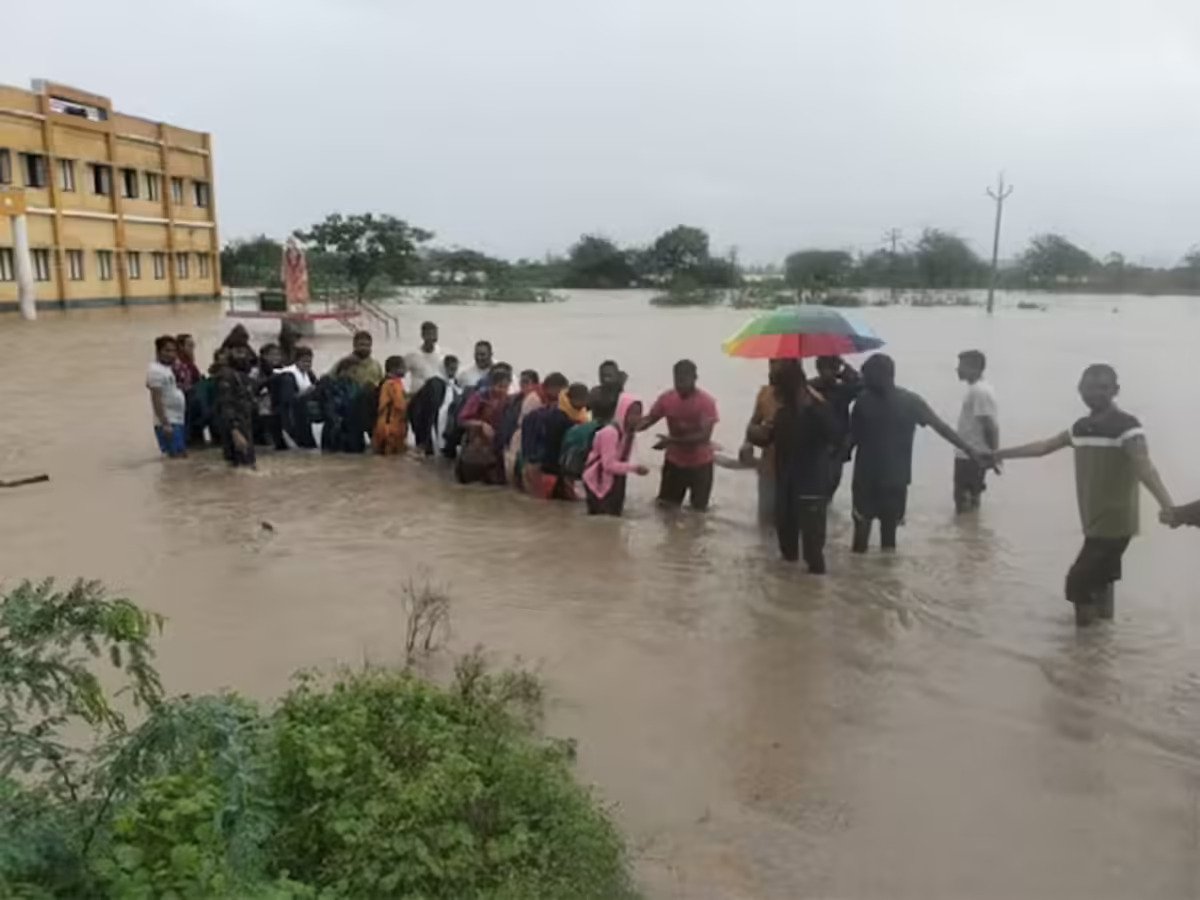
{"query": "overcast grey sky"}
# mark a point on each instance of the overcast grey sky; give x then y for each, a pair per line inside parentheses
(515, 125)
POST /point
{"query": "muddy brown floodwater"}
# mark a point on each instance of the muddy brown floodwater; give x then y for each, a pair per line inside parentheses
(925, 725)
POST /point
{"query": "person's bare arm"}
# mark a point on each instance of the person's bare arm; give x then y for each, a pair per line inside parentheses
(160, 409)
(991, 433)
(949, 435)
(1036, 449)
(1146, 471)
(1189, 514)
(649, 421)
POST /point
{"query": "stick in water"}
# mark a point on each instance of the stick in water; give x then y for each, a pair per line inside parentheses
(33, 479)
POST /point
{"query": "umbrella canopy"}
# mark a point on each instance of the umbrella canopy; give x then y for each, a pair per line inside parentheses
(796, 332)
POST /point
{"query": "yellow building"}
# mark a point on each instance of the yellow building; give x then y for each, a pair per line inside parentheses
(120, 210)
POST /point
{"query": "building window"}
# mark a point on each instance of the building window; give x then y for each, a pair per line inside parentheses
(160, 266)
(101, 179)
(202, 193)
(7, 270)
(5, 166)
(129, 183)
(202, 265)
(153, 186)
(80, 110)
(41, 265)
(133, 261)
(181, 266)
(104, 259)
(35, 170)
(75, 265)
(177, 191)
(66, 174)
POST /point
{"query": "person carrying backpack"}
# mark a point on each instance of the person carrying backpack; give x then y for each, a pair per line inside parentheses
(557, 482)
(608, 463)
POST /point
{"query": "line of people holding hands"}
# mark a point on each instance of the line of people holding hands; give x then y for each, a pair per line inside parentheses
(558, 440)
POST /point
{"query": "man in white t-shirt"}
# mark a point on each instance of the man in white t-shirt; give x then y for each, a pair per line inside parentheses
(167, 401)
(978, 426)
(427, 361)
(474, 373)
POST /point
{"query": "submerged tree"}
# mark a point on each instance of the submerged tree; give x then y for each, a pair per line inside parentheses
(367, 246)
(1052, 259)
(597, 262)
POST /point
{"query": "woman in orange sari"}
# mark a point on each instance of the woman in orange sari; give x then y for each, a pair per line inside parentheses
(391, 424)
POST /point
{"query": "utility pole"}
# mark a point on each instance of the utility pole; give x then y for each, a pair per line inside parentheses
(1000, 194)
(892, 236)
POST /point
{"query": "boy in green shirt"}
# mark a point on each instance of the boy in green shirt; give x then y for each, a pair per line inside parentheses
(1111, 458)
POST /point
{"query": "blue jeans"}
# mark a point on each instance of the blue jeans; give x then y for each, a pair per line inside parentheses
(174, 444)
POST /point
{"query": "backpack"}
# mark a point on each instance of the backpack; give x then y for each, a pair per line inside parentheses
(576, 447)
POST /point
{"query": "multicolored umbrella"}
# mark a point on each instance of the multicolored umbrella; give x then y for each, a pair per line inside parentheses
(796, 332)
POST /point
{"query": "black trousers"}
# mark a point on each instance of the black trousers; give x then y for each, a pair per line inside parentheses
(236, 457)
(1096, 567)
(801, 519)
(886, 503)
(611, 504)
(970, 481)
(678, 482)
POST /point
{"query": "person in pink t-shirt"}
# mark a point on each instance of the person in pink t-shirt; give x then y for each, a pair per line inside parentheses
(691, 415)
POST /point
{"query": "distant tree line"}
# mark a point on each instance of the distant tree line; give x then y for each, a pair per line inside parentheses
(366, 252)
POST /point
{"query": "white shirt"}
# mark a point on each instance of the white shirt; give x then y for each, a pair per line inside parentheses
(470, 376)
(979, 403)
(161, 378)
(422, 366)
(304, 380)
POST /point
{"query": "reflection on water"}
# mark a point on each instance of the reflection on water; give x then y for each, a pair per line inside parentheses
(923, 725)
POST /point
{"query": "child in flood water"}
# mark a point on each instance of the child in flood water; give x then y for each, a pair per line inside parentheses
(608, 462)
(1111, 458)
(391, 425)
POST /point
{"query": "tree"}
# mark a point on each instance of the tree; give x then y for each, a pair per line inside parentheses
(462, 265)
(1051, 259)
(944, 260)
(367, 246)
(596, 262)
(817, 270)
(251, 262)
(677, 253)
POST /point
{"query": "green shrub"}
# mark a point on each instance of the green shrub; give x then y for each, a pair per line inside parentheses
(689, 297)
(389, 786)
(371, 784)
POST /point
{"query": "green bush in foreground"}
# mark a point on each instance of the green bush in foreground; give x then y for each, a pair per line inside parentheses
(370, 783)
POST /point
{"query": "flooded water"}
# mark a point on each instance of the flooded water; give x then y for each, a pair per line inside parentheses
(924, 725)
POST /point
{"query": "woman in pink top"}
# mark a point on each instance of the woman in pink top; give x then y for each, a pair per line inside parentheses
(608, 462)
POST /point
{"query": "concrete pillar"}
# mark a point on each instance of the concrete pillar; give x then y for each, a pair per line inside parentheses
(26, 298)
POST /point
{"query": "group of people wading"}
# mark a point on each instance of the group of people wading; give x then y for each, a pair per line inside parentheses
(557, 440)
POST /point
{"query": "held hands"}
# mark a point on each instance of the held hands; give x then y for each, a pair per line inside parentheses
(641, 470)
(1169, 516)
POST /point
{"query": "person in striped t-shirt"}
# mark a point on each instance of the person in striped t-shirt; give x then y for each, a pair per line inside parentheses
(1111, 458)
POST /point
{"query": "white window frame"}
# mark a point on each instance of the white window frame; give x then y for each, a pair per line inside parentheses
(104, 264)
(201, 194)
(153, 186)
(133, 264)
(130, 186)
(177, 190)
(8, 268)
(159, 260)
(75, 265)
(202, 265)
(41, 264)
(181, 266)
(66, 175)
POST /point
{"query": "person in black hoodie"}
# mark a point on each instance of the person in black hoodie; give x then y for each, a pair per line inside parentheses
(804, 435)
